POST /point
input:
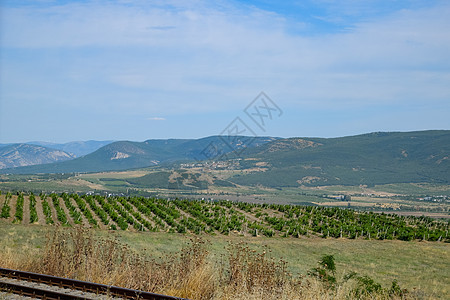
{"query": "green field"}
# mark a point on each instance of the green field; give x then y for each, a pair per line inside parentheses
(415, 265)
(411, 250)
(403, 198)
(216, 217)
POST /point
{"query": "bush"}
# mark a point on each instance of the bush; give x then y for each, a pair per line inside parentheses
(326, 266)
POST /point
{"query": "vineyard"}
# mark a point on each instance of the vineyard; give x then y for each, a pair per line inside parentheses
(215, 217)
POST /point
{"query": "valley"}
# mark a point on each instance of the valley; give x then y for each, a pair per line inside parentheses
(404, 199)
(360, 199)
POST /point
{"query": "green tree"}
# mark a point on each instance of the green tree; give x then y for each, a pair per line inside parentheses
(326, 271)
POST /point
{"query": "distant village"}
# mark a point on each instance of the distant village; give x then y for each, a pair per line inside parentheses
(338, 197)
(213, 165)
(438, 199)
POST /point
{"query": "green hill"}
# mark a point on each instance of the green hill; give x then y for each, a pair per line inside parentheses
(368, 159)
(125, 155)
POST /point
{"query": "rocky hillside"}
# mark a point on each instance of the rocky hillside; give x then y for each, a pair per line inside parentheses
(19, 155)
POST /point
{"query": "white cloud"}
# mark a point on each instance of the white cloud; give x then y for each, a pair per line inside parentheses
(156, 119)
(200, 57)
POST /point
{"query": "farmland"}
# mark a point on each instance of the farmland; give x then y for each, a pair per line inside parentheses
(364, 242)
(404, 199)
(216, 217)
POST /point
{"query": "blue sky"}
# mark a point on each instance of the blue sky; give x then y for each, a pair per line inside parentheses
(136, 70)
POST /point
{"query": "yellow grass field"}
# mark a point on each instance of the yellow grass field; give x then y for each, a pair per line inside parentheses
(421, 267)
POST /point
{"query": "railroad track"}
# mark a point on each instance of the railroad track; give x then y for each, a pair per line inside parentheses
(51, 287)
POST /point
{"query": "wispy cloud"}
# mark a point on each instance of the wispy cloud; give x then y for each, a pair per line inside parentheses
(156, 119)
(161, 27)
(121, 58)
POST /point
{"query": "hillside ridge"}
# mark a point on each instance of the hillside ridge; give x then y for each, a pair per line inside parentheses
(18, 155)
(366, 159)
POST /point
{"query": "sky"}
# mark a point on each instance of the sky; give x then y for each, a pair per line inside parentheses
(138, 70)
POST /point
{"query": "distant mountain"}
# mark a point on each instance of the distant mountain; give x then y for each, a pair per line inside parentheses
(17, 155)
(127, 155)
(368, 159)
(78, 148)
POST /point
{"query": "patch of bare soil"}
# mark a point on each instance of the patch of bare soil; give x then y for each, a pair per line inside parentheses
(66, 211)
(77, 182)
(418, 214)
(26, 210)
(83, 220)
(40, 211)
(12, 204)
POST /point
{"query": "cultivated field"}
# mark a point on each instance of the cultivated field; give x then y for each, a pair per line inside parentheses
(421, 267)
(410, 250)
(404, 198)
(216, 217)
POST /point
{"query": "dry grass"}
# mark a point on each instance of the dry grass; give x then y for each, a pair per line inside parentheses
(76, 253)
(242, 273)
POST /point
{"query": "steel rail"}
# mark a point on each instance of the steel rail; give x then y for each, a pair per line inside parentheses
(79, 285)
(35, 292)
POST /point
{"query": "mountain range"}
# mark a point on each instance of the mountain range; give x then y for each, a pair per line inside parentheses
(77, 149)
(367, 159)
(124, 155)
(17, 155)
